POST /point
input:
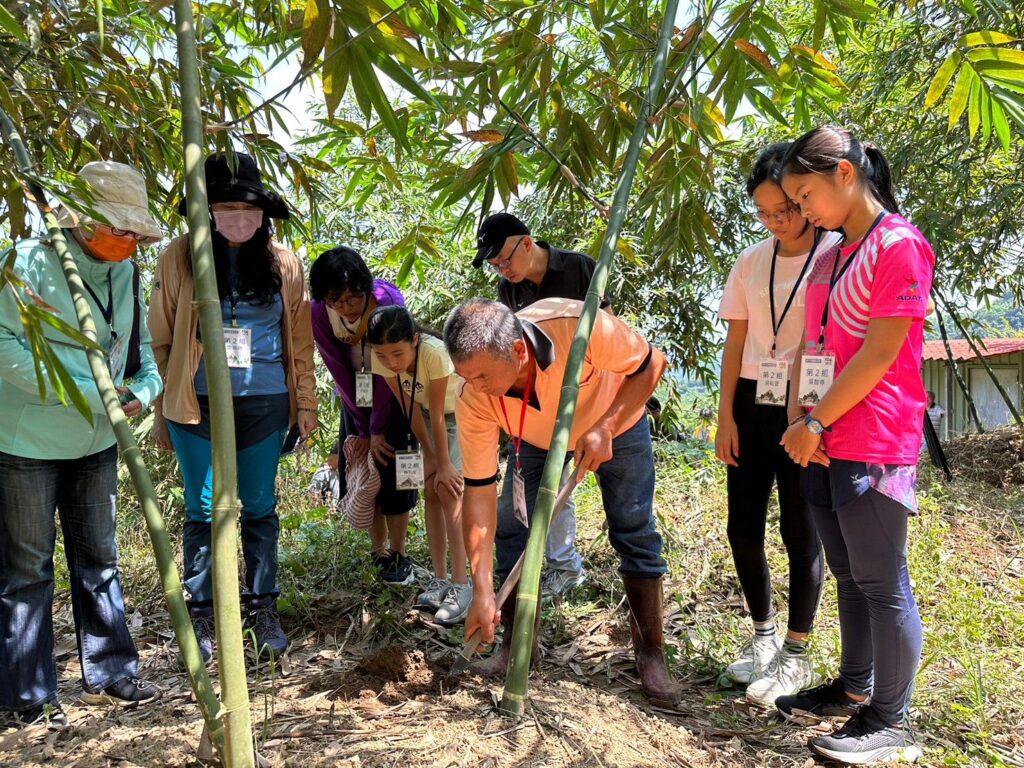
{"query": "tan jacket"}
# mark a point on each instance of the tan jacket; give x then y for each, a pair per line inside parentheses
(178, 351)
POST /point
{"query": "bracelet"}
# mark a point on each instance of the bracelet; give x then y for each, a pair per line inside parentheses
(797, 420)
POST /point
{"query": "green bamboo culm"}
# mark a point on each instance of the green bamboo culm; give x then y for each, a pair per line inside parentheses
(516, 690)
(198, 677)
(238, 743)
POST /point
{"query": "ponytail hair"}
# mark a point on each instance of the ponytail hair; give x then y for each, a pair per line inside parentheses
(821, 150)
(768, 166)
(393, 325)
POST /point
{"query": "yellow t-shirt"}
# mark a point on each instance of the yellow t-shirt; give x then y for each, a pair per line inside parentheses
(433, 364)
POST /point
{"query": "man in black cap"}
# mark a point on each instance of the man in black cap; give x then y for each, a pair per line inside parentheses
(532, 270)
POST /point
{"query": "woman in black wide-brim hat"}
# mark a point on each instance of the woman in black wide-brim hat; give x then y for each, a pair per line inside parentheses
(269, 342)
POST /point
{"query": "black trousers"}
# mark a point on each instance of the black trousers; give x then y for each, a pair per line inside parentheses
(762, 462)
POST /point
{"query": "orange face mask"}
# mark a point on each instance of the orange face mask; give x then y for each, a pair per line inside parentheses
(107, 247)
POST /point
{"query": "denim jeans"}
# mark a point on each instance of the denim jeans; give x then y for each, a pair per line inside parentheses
(879, 625)
(84, 492)
(257, 492)
(627, 490)
(560, 550)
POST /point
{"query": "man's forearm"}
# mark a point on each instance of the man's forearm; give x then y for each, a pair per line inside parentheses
(479, 520)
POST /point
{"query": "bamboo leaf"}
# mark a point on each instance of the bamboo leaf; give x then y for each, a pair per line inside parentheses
(961, 93)
(940, 82)
(974, 107)
(989, 37)
(336, 69)
(1001, 125)
(10, 25)
(1009, 55)
(316, 25)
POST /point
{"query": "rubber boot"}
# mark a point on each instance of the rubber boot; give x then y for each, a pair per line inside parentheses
(645, 624)
(496, 665)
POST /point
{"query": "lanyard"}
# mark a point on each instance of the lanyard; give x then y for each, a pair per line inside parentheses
(834, 278)
(412, 394)
(777, 326)
(108, 310)
(233, 298)
(517, 441)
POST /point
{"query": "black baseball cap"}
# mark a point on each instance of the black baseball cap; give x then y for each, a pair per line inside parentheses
(495, 230)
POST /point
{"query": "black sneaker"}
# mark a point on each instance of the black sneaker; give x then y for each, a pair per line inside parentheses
(382, 561)
(867, 738)
(126, 692)
(816, 704)
(48, 713)
(398, 570)
(265, 624)
(202, 625)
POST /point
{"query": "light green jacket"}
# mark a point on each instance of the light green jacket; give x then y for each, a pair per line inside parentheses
(49, 430)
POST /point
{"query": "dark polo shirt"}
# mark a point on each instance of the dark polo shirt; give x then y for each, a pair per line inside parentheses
(567, 277)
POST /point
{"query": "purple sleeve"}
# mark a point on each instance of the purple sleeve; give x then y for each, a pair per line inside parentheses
(335, 356)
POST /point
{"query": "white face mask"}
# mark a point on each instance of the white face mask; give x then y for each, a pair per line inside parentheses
(238, 226)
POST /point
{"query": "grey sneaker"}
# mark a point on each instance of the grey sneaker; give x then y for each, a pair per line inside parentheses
(455, 606)
(202, 625)
(558, 583)
(867, 738)
(265, 624)
(754, 659)
(434, 594)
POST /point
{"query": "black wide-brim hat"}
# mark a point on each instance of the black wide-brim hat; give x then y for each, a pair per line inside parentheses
(236, 179)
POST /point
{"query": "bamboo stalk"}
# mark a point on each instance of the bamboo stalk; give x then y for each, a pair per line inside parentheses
(198, 677)
(984, 361)
(238, 743)
(527, 603)
(972, 411)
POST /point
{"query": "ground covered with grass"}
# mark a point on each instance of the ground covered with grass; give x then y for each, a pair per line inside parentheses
(365, 683)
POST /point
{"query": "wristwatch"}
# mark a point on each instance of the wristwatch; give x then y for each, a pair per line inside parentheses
(812, 424)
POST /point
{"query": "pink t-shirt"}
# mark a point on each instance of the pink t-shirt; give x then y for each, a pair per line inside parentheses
(746, 298)
(891, 276)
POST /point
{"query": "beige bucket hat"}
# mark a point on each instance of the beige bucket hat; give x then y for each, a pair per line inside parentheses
(119, 194)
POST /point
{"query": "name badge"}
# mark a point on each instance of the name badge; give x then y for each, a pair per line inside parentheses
(409, 470)
(364, 389)
(238, 345)
(116, 358)
(772, 379)
(519, 498)
(816, 375)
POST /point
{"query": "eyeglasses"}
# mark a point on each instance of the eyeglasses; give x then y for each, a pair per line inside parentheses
(501, 266)
(351, 300)
(121, 232)
(778, 217)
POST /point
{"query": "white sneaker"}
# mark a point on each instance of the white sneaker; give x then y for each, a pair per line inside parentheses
(787, 674)
(455, 606)
(754, 658)
(433, 595)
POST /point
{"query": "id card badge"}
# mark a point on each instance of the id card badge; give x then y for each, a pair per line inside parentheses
(816, 375)
(116, 357)
(519, 498)
(409, 470)
(364, 389)
(238, 345)
(772, 378)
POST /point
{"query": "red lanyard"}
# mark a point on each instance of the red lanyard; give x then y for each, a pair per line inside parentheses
(517, 441)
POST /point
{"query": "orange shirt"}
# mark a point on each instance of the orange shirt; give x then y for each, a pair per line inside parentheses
(614, 352)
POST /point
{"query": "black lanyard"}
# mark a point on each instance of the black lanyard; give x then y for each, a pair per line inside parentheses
(834, 278)
(412, 394)
(777, 326)
(108, 310)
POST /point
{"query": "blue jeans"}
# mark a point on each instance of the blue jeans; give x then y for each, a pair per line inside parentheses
(866, 548)
(560, 550)
(627, 490)
(84, 492)
(257, 480)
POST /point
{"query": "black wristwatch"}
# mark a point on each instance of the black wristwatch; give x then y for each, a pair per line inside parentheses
(815, 426)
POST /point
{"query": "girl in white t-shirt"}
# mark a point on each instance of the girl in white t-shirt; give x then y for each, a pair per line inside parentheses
(422, 378)
(763, 304)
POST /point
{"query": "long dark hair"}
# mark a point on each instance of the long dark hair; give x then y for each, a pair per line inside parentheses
(820, 150)
(259, 275)
(768, 166)
(393, 325)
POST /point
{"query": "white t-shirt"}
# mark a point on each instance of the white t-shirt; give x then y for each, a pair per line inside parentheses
(746, 297)
(935, 413)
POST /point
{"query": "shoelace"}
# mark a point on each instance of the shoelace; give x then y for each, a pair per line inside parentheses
(436, 584)
(140, 684)
(265, 622)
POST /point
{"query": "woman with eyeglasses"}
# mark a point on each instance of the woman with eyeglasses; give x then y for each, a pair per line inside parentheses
(270, 356)
(344, 295)
(763, 305)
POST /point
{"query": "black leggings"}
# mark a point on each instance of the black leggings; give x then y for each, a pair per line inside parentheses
(762, 461)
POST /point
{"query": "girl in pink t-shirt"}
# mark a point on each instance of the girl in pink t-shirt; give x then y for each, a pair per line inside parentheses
(859, 443)
(763, 303)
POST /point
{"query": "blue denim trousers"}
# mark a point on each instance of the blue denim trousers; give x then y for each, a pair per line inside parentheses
(627, 490)
(560, 551)
(84, 492)
(257, 491)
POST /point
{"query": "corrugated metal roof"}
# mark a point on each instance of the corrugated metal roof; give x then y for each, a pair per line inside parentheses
(936, 350)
